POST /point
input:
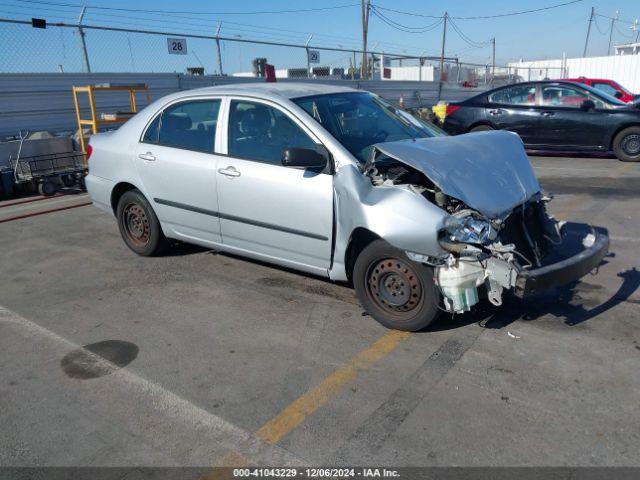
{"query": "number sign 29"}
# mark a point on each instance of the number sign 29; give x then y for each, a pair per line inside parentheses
(177, 46)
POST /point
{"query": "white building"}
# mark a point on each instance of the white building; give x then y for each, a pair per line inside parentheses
(628, 49)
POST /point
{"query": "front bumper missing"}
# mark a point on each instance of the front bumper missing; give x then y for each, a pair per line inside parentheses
(571, 261)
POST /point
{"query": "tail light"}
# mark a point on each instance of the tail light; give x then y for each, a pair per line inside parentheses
(451, 109)
(89, 151)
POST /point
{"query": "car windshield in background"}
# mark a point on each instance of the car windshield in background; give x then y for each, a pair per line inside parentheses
(360, 120)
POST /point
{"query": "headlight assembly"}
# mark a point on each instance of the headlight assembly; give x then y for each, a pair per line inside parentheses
(467, 229)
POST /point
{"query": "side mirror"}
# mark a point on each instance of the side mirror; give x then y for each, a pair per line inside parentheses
(303, 158)
(587, 105)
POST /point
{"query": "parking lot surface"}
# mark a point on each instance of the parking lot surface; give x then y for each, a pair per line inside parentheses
(217, 360)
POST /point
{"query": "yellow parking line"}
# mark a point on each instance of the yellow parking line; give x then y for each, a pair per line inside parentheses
(293, 415)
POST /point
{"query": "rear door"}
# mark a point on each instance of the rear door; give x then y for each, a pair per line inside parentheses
(280, 213)
(564, 124)
(514, 108)
(177, 164)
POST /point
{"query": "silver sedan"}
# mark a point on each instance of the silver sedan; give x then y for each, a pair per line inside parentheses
(338, 183)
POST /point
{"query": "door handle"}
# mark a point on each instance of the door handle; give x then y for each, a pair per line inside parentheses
(147, 156)
(547, 114)
(229, 172)
(495, 112)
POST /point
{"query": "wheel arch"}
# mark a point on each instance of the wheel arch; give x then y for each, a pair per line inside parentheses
(120, 189)
(618, 130)
(358, 240)
(480, 123)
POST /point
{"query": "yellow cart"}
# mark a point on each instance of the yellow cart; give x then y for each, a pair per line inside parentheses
(103, 119)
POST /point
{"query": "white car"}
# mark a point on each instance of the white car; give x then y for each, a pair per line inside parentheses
(338, 183)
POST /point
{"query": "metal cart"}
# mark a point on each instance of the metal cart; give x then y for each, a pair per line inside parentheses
(49, 171)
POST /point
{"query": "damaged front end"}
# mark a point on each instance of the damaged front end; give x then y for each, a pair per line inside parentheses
(498, 235)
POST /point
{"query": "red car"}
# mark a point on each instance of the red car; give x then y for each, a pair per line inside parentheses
(607, 86)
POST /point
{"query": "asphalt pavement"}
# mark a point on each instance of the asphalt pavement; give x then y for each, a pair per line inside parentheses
(200, 359)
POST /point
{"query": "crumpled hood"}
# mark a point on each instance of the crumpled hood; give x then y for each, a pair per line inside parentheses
(489, 171)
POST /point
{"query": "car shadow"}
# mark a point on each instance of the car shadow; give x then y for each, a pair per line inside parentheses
(562, 302)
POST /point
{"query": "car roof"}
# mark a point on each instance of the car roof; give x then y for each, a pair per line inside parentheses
(278, 89)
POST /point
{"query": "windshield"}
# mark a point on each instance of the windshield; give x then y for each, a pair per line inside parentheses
(602, 95)
(359, 120)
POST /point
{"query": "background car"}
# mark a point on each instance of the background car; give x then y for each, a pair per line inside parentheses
(610, 87)
(553, 116)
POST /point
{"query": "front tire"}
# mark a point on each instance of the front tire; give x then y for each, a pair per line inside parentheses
(626, 145)
(138, 224)
(395, 291)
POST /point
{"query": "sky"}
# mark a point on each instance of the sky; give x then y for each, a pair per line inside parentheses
(546, 34)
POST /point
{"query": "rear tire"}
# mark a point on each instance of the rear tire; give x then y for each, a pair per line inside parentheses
(138, 224)
(395, 291)
(47, 188)
(481, 128)
(626, 145)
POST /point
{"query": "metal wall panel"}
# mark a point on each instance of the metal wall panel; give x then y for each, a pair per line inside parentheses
(43, 101)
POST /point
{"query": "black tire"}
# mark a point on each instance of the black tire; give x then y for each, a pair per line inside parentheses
(68, 180)
(397, 292)
(47, 188)
(81, 182)
(626, 145)
(138, 224)
(481, 128)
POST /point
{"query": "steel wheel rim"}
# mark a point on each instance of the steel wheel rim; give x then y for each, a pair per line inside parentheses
(631, 144)
(136, 224)
(394, 287)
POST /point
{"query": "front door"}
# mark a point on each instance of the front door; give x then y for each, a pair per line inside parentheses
(564, 124)
(177, 165)
(277, 212)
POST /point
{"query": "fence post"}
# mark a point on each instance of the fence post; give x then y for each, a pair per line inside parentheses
(218, 46)
(306, 47)
(83, 44)
(353, 70)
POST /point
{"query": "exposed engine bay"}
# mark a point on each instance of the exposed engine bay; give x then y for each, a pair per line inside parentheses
(481, 252)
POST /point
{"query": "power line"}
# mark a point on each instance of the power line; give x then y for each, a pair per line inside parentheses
(402, 27)
(480, 17)
(257, 12)
(466, 39)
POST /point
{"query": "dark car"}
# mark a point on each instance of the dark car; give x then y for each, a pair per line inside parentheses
(553, 116)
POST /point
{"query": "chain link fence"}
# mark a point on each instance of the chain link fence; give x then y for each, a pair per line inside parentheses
(69, 48)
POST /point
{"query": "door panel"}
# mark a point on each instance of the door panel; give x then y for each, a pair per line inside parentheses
(273, 211)
(563, 124)
(513, 108)
(277, 211)
(177, 167)
(181, 187)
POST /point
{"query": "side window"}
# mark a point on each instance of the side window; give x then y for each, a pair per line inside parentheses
(561, 96)
(190, 125)
(151, 135)
(263, 133)
(518, 95)
(606, 88)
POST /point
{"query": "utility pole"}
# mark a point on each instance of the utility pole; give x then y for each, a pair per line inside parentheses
(218, 46)
(634, 28)
(366, 6)
(613, 21)
(83, 43)
(444, 39)
(586, 42)
(493, 59)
